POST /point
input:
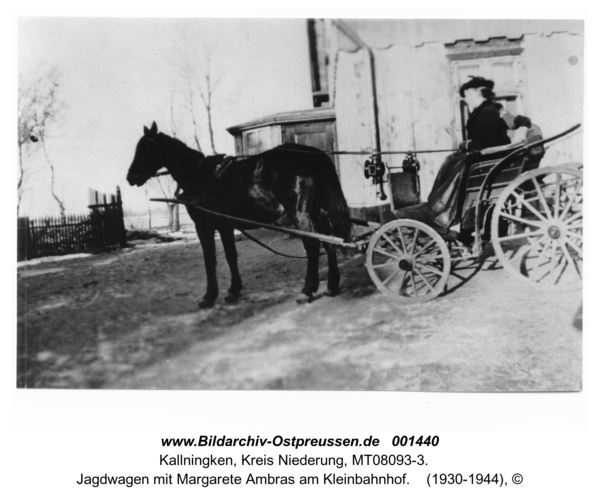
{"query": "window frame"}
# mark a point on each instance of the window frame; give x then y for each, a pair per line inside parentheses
(486, 56)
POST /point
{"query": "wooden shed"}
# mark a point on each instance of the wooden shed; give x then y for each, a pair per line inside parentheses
(314, 127)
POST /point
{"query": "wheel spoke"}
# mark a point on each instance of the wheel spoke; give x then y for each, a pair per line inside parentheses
(527, 248)
(550, 273)
(542, 198)
(569, 258)
(402, 239)
(392, 243)
(417, 266)
(574, 217)
(577, 249)
(414, 242)
(424, 248)
(412, 279)
(537, 228)
(385, 264)
(554, 244)
(561, 267)
(424, 279)
(552, 257)
(431, 257)
(401, 288)
(574, 234)
(391, 277)
(387, 254)
(520, 235)
(571, 201)
(530, 207)
(431, 268)
(545, 275)
(520, 219)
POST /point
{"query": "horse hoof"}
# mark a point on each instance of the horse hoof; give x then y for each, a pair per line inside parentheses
(231, 298)
(303, 299)
(331, 293)
(206, 304)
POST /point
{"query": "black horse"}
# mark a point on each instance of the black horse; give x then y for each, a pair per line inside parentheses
(291, 179)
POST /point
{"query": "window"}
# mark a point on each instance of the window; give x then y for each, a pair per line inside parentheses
(318, 62)
(498, 60)
(256, 141)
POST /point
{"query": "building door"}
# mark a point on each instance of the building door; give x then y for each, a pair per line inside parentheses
(320, 135)
(506, 73)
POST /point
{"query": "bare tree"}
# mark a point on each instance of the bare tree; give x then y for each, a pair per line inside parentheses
(39, 108)
(148, 205)
(198, 82)
(207, 84)
(166, 185)
(190, 105)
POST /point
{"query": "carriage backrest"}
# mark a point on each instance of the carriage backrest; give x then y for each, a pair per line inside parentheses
(478, 171)
(486, 159)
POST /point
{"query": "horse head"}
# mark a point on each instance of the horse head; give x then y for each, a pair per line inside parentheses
(148, 158)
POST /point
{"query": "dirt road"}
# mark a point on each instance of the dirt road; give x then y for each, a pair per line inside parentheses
(130, 320)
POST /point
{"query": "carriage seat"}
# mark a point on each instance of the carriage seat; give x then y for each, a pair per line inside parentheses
(455, 198)
(501, 150)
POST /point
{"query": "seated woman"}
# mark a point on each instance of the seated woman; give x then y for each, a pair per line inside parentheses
(485, 128)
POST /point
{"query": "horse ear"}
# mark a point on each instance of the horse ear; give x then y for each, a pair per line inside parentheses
(151, 133)
(258, 172)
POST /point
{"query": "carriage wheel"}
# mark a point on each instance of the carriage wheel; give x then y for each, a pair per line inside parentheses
(408, 260)
(537, 227)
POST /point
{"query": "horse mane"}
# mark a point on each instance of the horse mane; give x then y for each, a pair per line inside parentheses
(179, 146)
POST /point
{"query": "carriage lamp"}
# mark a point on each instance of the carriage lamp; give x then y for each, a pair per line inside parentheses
(411, 166)
(410, 162)
(375, 169)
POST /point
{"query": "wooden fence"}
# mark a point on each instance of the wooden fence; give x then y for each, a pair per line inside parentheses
(102, 230)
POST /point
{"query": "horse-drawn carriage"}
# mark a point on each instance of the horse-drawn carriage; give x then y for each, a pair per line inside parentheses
(532, 216)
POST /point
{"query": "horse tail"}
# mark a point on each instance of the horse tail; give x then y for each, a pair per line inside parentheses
(333, 213)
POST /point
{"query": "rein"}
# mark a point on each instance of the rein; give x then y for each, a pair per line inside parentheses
(271, 249)
(361, 152)
(333, 240)
(232, 158)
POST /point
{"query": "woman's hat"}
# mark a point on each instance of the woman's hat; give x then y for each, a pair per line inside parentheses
(476, 82)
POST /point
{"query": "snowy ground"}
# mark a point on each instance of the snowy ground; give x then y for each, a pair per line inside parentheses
(129, 319)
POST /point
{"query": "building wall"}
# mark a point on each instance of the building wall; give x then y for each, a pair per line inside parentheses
(354, 121)
(417, 106)
(554, 71)
(416, 109)
(381, 33)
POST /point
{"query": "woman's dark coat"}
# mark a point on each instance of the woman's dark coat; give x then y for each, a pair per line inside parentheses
(485, 128)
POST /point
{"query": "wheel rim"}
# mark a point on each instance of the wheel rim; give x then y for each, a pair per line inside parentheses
(537, 228)
(409, 261)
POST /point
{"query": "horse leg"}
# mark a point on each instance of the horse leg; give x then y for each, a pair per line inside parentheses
(207, 240)
(228, 239)
(311, 283)
(333, 275)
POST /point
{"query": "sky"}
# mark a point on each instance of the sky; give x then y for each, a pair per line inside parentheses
(116, 75)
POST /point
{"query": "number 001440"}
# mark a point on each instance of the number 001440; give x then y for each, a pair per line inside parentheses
(405, 441)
